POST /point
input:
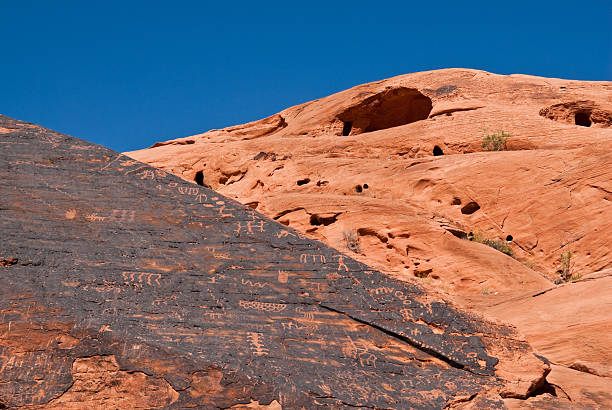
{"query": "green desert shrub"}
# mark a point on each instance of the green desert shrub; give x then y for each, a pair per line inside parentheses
(496, 141)
(566, 272)
(496, 244)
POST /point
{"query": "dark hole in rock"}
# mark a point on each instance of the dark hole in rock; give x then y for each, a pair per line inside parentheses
(303, 181)
(583, 119)
(509, 238)
(582, 113)
(387, 109)
(470, 208)
(322, 220)
(457, 233)
(365, 186)
(456, 201)
(437, 151)
(358, 189)
(348, 126)
(422, 272)
(199, 178)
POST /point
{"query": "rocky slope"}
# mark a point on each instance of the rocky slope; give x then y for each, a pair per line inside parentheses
(124, 286)
(396, 174)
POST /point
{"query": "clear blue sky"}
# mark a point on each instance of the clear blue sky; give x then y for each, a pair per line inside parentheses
(126, 74)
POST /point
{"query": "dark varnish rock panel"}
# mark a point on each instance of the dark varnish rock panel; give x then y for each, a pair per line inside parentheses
(125, 286)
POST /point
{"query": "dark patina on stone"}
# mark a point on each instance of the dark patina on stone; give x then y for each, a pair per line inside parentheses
(111, 264)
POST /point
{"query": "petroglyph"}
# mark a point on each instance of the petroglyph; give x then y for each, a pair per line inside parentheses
(308, 315)
(224, 214)
(341, 263)
(147, 174)
(282, 276)
(283, 234)
(188, 190)
(332, 276)
(367, 359)
(249, 226)
(360, 353)
(128, 163)
(141, 278)
(200, 196)
(262, 306)
(293, 325)
(252, 284)
(381, 291)
(195, 298)
(216, 300)
(93, 217)
(257, 346)
(315, 258)
(213, 315)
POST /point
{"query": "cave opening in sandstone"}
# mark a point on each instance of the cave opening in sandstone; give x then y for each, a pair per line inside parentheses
(199, 178)
(346, 129)
(583, 119)
(437, 151)
(365, 186)
(317, 220)
(387, 109)
(303, 181)
(359, 189)
(470, 208)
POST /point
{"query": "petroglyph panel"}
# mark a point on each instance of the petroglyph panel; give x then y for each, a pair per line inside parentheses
(235, 309)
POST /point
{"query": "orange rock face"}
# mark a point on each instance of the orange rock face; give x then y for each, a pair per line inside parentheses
(400, 173)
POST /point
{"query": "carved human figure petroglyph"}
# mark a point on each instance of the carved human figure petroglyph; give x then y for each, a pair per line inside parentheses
(341, 263)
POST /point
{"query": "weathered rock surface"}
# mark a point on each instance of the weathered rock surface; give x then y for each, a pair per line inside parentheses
(124, 286)
(395, 173)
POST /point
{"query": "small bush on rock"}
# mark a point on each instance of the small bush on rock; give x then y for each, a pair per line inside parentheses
(496, 141)
(566, 272)
(496, 244)
(351, 238)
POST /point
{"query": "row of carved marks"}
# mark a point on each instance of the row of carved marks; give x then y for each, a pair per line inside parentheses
(419, 333)
(412, 320)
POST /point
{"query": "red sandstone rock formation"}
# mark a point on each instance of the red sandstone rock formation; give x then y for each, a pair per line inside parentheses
(124, 286)
(395, 173)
